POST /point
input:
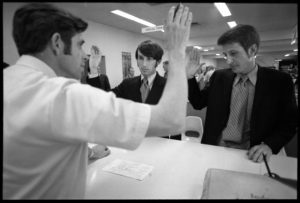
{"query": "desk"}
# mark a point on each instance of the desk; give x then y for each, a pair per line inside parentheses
(179, 170)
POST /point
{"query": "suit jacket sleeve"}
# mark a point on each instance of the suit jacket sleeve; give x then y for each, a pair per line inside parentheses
(84, 74)
(288, 117)
(119, 90)
(198, 98)
(107, 85)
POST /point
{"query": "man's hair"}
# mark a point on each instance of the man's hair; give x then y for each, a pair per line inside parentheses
(35, 23)
(150, 49)
(245, 35)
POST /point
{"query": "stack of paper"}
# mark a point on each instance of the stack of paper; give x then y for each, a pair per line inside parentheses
(129, 169)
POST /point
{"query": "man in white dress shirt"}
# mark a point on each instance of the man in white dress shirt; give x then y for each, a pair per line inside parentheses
(49, 117)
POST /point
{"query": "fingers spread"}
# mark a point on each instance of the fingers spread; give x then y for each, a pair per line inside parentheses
(171, 15)
(184, 16)
(177, 29)
(189, 19)
(178, 15)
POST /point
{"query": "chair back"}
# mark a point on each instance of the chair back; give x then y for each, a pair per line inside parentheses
(282, 152)
(193, 130)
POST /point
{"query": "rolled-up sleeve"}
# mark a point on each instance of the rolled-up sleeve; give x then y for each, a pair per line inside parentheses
(83, 113)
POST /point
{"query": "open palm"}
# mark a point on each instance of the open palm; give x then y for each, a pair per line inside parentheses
(95, 57)
(193, 61)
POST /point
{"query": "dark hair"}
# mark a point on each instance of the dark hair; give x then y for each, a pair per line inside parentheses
(35, 23)
(150, 49)
(245, 35)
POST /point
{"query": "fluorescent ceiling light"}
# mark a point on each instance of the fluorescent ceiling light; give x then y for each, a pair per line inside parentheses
(295, 49)
(197, 47)
(131, 17)
(153, 29)
(287, 55)
(294, 41)
(231, 24)
(205, 50)
(218, 54)
(223, 9)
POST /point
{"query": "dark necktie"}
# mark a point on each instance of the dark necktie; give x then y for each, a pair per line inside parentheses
(238, 108)
(145, 89)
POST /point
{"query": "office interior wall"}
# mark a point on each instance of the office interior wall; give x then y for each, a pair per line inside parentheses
(112, 42)
(10, 53)
(209, 61)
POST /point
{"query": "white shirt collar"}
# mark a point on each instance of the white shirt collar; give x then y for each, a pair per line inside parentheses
(93, 75)
(150, 79)
(252, 75)
(36, 64)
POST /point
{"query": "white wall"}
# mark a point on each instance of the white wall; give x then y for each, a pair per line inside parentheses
(112, 42)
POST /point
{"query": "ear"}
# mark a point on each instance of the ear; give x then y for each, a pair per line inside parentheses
(252, 51)
(157, 63)
(56, 44)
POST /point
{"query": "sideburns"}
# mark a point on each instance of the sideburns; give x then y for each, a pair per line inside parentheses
(67, 49)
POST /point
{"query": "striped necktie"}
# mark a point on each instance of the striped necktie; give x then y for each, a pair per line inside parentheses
(238, 108)
(145, 89)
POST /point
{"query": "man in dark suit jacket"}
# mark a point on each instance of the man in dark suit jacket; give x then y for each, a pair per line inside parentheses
(148, 55)
(130, 89)
(271, 108)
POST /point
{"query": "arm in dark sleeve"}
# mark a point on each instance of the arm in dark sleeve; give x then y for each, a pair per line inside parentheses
(197, 98)
(84, 74)
(119, 90)
(288, 117)
(107, 85)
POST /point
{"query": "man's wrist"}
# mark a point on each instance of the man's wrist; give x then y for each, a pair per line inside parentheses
(91, 152)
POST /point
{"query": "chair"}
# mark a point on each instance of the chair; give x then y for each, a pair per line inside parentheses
(193, 130)
(282, 152)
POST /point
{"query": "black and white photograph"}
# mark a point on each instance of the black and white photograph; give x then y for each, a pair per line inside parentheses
(150, 100)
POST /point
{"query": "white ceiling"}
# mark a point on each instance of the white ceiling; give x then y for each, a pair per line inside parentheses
(275, 22)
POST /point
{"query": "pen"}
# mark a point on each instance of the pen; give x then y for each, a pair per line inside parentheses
(267, 166)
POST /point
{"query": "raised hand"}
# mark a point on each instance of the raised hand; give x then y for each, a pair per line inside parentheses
(193, 62)
(177, 29)
(95, 57)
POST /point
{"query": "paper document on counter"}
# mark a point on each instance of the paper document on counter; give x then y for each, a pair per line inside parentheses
(129, 169)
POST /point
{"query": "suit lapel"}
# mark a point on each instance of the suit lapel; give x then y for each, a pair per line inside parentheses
(137, 86)
(259, 92)
(228, 82)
